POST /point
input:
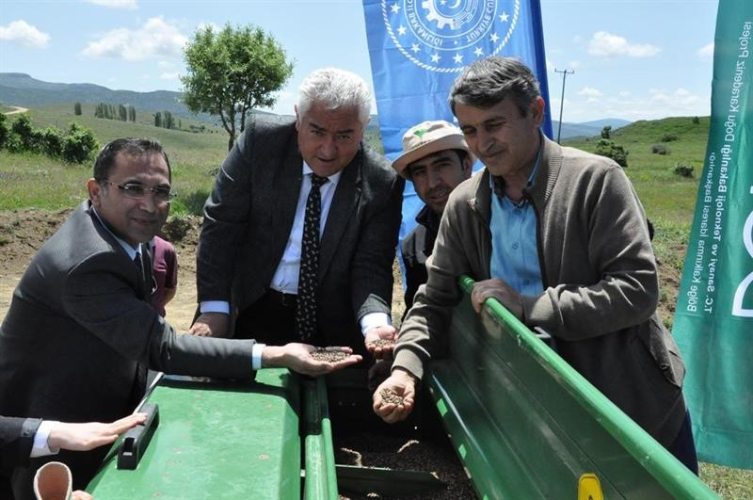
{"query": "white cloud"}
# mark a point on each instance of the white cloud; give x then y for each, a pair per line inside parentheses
(648, 104)
(24, 34)
(707, 51)
(115, 4)
(590, 92)
(155, 39)
(169, 76)
(605, 44)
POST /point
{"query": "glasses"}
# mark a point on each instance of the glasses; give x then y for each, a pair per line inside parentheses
(138, 191)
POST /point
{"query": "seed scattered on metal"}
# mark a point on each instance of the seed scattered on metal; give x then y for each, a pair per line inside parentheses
(390, 396)
(322, 354)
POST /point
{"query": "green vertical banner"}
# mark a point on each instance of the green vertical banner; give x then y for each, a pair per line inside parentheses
(714, 317)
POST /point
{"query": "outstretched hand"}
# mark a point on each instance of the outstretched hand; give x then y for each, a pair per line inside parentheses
(85, 437)
(394, 399)
(380, 341)
(298, 357)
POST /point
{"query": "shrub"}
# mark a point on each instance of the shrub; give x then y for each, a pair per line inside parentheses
(669, 138)
(696, 120)
(608, 148)
(4, 131)
(79, 144)
(660, 149)
(23, 130)
(52, 142)
(683, 169)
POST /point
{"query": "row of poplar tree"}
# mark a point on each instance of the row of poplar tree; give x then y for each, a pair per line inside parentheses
(163, 119)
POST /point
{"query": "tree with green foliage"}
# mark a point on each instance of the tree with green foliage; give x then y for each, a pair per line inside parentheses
(77, 109)
(122, 113)
(168, 121)
(232, 72)
(132, 114)
(606, 131)
(158, 119)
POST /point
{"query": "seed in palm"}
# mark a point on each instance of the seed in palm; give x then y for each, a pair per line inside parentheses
(382, 343)
(323, 354)
(391, 397)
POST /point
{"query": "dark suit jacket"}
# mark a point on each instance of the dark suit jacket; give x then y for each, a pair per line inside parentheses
(80, 323)
(249, 215)
(16, 440)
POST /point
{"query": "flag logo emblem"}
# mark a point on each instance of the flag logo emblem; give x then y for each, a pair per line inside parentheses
(447, 35)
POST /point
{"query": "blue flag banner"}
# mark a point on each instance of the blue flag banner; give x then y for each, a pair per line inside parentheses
(419, 47)
(713, 321)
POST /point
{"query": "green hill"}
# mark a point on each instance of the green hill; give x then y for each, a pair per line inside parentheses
(664, 194)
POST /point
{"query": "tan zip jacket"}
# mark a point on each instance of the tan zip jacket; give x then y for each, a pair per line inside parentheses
(600, 284)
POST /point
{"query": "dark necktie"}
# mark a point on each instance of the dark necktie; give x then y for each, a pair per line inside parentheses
(306, 302)
(139, 265)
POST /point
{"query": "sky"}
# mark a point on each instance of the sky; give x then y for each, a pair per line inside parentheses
(632, 59)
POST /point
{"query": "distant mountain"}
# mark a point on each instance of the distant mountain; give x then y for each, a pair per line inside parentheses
(586, 129)
(20, 89)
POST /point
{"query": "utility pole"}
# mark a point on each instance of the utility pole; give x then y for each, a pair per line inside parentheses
(562, 101)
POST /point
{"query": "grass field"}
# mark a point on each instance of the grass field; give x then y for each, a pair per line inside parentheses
(36, 181)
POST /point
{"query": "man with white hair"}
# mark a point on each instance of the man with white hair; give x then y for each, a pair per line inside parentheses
(301, 226)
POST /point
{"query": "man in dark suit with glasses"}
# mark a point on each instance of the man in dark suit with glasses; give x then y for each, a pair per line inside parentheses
(80, 333)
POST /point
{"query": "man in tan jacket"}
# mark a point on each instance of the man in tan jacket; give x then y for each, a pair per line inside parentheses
(560, 238)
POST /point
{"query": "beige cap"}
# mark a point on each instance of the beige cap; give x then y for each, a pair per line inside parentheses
(427, 138)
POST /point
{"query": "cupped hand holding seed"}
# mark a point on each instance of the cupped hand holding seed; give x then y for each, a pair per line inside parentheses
(394, 398)
(380, 341)
(307, 359)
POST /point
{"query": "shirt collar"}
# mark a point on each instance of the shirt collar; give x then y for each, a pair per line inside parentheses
(333, 179)
(497, 183)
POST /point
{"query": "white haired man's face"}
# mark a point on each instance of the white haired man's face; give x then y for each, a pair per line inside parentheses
(328, 138)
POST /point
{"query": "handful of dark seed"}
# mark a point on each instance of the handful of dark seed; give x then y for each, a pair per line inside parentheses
(322, 354)
(382, 343)
(391, 397)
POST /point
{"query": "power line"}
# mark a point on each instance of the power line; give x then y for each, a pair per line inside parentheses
(562, 100)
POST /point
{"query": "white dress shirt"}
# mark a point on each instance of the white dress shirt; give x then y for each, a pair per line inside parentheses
(285, 278)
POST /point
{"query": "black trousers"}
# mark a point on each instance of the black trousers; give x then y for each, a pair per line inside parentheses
(271, 320)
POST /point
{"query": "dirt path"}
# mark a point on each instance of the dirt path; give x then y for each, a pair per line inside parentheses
(18, 109)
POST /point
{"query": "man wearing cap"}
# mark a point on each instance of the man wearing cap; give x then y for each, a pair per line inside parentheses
(436, 159)
(559, 237)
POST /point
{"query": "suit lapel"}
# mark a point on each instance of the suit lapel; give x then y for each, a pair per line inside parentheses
(143, 279)
(285, 193)
(344, 207)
